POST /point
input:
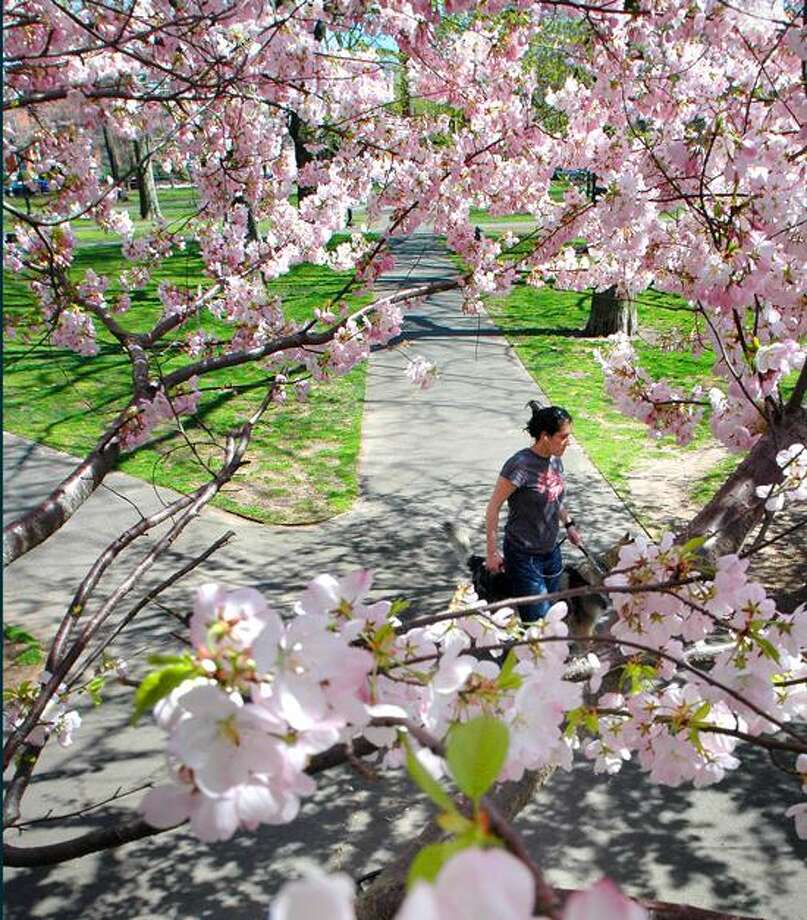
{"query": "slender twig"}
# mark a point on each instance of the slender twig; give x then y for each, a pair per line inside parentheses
(148, 598)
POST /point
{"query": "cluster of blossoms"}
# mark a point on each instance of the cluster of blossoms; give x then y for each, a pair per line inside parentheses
(75, 330)
(261, 696)
(793, 487)
(683, 732)
(57, 720)
(666, 411)
(421, 372)
(264, 696)
(148, 413)
(475, 884)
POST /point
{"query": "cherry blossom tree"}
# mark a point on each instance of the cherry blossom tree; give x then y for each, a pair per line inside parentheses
(692, 117)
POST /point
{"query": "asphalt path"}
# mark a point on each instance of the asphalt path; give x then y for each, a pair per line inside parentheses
(427, 457)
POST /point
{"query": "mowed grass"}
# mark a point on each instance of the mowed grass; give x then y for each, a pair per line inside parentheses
(557, 190)
(303, 457)
(541, 324)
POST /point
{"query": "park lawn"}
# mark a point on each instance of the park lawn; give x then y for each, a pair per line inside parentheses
(557, 189)
(540, 323)
(176, 204)
(303, 457)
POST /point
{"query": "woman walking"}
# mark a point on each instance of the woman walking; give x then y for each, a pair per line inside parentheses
(531, 482)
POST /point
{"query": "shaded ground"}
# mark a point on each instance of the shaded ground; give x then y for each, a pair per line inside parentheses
(426, 457)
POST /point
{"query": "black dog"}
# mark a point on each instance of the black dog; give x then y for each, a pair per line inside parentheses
(489, 586)
(584, 611)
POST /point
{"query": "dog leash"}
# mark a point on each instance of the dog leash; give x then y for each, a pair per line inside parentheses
(597, 567)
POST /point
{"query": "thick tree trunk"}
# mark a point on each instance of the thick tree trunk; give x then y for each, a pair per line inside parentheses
(146, 187)
(252, 226)
(302, 156)
(611, 314)
(116, 168)
(112, 156)
(736, 509)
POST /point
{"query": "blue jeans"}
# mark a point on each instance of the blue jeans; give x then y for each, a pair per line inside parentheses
(532, 573)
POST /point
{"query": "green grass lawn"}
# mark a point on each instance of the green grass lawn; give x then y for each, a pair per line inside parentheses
(539, 322)
(557, 189)
(303, 458)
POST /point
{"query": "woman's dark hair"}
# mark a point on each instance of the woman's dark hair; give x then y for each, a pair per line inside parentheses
(549, 419)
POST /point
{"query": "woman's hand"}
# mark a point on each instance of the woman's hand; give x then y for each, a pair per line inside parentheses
(494, 561)
(574, 535)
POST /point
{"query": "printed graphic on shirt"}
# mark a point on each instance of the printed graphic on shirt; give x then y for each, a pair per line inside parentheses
(549, 483)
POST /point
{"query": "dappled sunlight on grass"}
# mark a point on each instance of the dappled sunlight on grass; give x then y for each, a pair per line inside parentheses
(545, 324)
(303, 456)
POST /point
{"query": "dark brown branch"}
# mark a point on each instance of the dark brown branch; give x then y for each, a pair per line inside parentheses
(103, 838)
(134, 828)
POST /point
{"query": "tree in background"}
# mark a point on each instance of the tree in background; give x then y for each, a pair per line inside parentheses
(691, 117)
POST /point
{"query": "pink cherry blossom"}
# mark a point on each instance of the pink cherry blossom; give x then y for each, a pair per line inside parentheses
(318, 895)
(475, 884)
(603, 901)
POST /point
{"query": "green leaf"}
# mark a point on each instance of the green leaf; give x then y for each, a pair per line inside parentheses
(695, 739)
(508, 679)
(767, 648)
(430, 860)
(475, 753)
(513, 682)
(94, 688)
(399, 606)
(159, 684)
(573, 718)
(30, 655)
(17, 634)
(455, 823)
(701, 712)
(170, 659)
(691, 546)
(426, 781)
(638, 674)
(592, 722)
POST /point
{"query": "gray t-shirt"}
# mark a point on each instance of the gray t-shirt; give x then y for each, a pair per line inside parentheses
(532, 518)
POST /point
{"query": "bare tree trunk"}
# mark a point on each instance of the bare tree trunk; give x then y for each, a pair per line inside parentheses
(611, 314)
(297, 131)
(252, 226)
(115, 166)
(302, 155)
(736, 509)
(146, 187)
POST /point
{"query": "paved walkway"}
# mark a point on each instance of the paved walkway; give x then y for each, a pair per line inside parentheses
(427, 456)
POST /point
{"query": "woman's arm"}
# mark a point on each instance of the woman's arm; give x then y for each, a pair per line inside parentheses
(501, 492)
